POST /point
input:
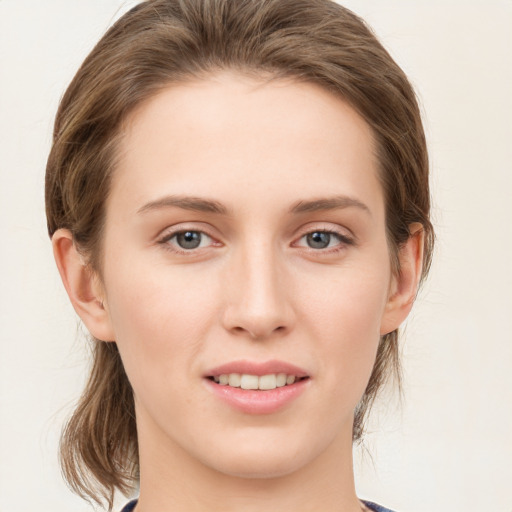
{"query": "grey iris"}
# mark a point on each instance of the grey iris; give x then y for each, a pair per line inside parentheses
(188, 239)
(318, 240)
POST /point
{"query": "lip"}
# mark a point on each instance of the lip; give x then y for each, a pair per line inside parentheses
(257, 402)
(259, 369)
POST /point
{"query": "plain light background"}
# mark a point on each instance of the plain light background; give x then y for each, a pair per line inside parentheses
(448, 447)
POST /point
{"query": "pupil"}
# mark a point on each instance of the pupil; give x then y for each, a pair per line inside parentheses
(318, 240)
(189, 239)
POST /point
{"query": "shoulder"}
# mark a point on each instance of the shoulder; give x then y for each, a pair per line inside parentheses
(376, 508)
(372, 506)
(129, 506)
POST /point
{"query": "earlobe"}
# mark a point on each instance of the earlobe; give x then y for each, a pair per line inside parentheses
(404, 286)
(82, 285)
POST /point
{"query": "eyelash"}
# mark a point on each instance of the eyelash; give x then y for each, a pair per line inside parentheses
(165, 241)
(343, 241)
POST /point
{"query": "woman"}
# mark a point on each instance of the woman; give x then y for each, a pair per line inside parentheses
(237, 196)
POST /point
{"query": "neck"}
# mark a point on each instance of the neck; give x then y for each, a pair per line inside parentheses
(173, 480)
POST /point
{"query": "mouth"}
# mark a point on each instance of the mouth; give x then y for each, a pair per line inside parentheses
(248, 381)
(258, 388)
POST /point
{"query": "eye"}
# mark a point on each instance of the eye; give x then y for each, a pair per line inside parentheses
(323, 239)
(188, 240)
(319, 239)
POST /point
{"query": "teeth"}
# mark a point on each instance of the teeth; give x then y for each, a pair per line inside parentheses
(246, 381)
(249, 381)
(268, 382)
(281, 380)
(235, 380)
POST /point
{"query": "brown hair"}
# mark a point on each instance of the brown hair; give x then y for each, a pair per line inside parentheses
(160, 42)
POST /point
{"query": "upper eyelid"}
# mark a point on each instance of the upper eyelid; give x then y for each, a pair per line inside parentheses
(173, 234)
(342, 237)
(171, 231)
(326, 227)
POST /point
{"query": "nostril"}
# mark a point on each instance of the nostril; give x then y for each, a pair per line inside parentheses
(259, 332)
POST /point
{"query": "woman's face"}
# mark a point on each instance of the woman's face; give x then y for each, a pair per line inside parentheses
(245, 235)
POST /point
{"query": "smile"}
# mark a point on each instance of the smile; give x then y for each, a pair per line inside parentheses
(257, 387)
(263, 382)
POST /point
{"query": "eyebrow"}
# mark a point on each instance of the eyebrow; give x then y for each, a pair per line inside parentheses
(329, 203)
(211, 206)
(186, 203)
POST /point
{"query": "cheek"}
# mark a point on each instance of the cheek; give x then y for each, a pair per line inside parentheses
(349, 301)
(344, 319)
(160, 315)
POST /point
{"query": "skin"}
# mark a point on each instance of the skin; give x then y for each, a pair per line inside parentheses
(254, 289)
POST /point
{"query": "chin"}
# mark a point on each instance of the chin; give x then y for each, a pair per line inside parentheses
(261, 458)
(260, 467)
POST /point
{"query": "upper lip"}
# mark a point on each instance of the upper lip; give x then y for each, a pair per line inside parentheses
(257, 368)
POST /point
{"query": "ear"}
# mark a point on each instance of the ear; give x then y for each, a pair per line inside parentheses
(82, 285)
(404, 284)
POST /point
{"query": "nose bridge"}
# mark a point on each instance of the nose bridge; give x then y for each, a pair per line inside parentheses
(258, 303)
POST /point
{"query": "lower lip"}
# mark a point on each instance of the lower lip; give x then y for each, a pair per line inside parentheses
(252, 401)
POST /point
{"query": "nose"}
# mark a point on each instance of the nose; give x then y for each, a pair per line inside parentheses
(258, 302)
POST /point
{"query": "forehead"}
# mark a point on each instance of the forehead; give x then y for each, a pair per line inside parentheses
(244, 138)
